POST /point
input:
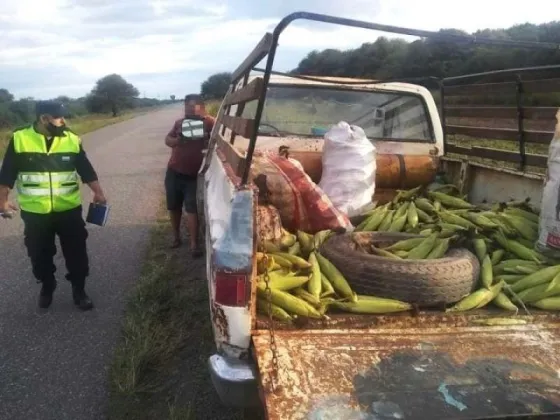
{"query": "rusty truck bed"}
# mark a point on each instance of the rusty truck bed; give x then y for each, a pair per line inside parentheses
(429, 366)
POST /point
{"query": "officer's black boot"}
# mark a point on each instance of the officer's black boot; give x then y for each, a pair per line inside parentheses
(46, 294)
(81, 299)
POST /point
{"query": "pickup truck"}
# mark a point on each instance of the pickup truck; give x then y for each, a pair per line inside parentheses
(428, 365)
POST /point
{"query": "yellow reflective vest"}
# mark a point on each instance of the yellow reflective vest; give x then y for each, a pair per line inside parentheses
(47, 180)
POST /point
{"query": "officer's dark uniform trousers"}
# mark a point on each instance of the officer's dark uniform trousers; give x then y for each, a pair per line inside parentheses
(40, 234)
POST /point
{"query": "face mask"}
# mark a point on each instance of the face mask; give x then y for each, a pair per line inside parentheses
(54, 130)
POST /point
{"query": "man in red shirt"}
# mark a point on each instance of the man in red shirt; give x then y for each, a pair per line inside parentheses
(182, 169)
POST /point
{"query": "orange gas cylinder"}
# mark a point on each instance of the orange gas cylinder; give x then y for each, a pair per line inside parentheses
(393, 171)
(404, 171)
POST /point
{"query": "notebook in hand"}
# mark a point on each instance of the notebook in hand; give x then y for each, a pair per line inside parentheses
(97, 214)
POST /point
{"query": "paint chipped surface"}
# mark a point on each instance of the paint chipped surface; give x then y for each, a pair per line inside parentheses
(220, 322)
(450, 369)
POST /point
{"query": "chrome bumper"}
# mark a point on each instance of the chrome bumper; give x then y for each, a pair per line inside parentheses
(235, 381)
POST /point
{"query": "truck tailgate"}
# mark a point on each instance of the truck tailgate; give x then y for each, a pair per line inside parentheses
(447, 371)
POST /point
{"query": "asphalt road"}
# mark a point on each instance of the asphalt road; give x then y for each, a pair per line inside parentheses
(54, 364)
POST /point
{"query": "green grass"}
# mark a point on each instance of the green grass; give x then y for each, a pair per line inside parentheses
(159, 366)
(81, 125)
(154, 328)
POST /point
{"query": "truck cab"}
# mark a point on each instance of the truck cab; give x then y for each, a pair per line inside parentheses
(352, 366)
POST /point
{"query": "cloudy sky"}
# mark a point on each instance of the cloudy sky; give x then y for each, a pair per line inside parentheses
(169, 47)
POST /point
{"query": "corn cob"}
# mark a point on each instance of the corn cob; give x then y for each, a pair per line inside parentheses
(497, 256)
(294, 259)
(538, 293)
(449, 201)
(412, 215)
(486, 276)
(295, 249)
(383, 253)
(373, 305)
(480, 248)
(306, 241)
(276, 312)
(522, 226)
(287, 240)
(326, 286)
(494, 291)
(375, 220)
(401, 254)
(456, 220)
(425, 205)
(281, 261)
(481, 221)
(423, 216)
(549, 304)
(271, 247)
(284, 282)
(471, 301)
(397, 224)
(500, 321)
(301, 293)
(336, 278)
(522, 269)
(387, 220)
(407, 195)
(514, 262)
(289, 303)
(522, 213)
(321, 237)
(405, 244)
(509, 278)
(503, 302)
(516, 248)
(447, 189)
(439, 250)
(401, 211)
(544, 275)
(422, 250)
(314, 285)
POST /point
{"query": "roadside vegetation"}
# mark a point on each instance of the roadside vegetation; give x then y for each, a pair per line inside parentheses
(111, 100)
(159, 366)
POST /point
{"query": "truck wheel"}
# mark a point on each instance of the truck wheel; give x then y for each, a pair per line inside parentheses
(426, 283)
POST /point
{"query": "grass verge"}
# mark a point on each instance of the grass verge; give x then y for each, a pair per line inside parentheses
(81, 125)
(159, 366)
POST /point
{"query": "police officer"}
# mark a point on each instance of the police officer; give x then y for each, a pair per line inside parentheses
(45, 161)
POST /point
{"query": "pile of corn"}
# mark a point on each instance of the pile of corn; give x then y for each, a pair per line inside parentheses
(303, 282)
(502, 236)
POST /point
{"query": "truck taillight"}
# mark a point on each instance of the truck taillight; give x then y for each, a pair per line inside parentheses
(232, 289)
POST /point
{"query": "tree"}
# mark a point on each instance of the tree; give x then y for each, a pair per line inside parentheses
(5, 96)
(216, 86)
(396, 58)
(173, 98)
(112, 93)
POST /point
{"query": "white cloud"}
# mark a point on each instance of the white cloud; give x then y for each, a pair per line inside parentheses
(83, 40)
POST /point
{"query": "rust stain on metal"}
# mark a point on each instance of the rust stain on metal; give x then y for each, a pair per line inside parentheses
(423, 319)
(424, 367)
(220, 322)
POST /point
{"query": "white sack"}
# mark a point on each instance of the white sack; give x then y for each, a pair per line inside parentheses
(349, 167)
(549, 223)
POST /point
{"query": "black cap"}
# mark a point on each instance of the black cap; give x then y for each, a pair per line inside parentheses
(52, 108)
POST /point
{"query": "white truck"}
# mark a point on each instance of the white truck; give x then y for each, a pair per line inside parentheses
(431, 365)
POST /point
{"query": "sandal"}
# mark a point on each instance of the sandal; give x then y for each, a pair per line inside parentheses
(176, 244)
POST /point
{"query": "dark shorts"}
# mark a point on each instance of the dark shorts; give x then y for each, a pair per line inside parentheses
(180, 191)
